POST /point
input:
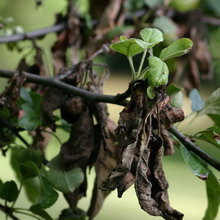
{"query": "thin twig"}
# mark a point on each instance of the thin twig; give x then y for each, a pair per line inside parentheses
(8, 211)
(56, 28)
(14, 130)
(194, 148)
(33, 34)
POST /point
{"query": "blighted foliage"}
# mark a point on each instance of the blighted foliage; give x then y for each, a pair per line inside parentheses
(122, 155)
(141, 133)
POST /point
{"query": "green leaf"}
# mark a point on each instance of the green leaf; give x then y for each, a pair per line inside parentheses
(9, 191)
(213, 194)
(47, 196)
(29, 170)
(211, 135)
(130, 47)
(36, 209)
(215, 119)
(157, 72)
(197, 165)
(173, 89)
(150, 92)
(177, 100)
(176, 49)
(212, 105)
(167, 26)
(64, 181)
(151, 35)
(30, 102)
(197, 101)
(20, 155)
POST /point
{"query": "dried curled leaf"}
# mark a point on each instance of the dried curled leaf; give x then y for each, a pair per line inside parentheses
(141, 133)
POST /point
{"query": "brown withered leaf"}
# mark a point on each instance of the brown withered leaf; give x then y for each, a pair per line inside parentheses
(106, 161)
(141, 132)
(11, 94)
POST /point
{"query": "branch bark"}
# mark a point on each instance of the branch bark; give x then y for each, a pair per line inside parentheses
(194, 148)
(8, 211)
(54, 82)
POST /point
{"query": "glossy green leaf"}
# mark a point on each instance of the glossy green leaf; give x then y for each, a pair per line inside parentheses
(213, 194)
(36, 209)
(47, 196)
(151, 35)
(9, 191)
(64, 181)
(197, 101)
(212, 105)
(176, 49)
(28, 170)
(198, 166)
(157, 72)
(130, 47)
(211, 135)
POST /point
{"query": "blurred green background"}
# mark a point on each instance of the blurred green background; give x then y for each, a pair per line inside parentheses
(187, 192)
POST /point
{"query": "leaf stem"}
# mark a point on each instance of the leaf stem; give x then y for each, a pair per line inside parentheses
(130, 60)
(141, 63)
(28, 214)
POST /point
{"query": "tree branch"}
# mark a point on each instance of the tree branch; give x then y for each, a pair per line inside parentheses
(8, 211)
(194, 148)
(33, 34)
(55, 83)
(118, 99)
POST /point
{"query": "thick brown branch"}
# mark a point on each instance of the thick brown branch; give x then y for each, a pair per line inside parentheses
(33, 34)
(53, 82)
(195, 149)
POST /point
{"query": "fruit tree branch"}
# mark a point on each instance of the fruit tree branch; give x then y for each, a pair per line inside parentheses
(118, 99)
(194, 148)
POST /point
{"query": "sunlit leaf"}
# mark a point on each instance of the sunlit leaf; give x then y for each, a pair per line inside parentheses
(176, 49)
(9, 191)
(211, 135)
(212, 105)
(197, 166)
(64, 181)
(213, 194)
(151, 35)
(153, 3)
(197, 101)
(130, 47)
